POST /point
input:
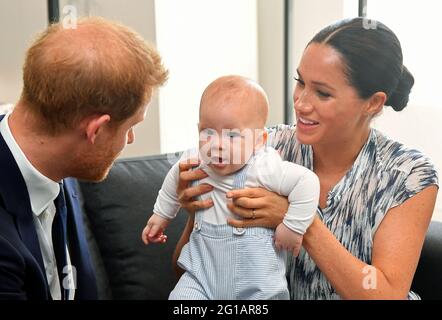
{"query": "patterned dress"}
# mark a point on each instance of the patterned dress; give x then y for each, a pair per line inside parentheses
(384, 175)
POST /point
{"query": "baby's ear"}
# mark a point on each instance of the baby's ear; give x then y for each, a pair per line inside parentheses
(261, 139)
(265, 135)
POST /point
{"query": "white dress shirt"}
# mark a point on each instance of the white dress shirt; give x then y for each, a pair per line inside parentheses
(42, 193)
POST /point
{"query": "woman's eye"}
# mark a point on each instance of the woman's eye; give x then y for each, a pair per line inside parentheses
(323, 94)
(300, 82)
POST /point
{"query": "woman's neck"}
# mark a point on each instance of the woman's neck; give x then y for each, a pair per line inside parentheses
(339, 156)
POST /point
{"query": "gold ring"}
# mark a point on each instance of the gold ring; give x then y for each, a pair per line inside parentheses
(253, 214)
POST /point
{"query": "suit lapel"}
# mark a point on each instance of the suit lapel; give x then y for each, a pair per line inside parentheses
(79, 249)
(16, 200)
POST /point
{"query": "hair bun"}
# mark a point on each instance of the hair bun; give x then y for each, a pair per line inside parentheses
(398, 98)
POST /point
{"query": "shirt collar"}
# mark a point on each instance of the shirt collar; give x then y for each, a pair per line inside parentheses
(42, 190)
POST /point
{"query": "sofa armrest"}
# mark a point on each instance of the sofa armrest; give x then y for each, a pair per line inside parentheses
(427, 280)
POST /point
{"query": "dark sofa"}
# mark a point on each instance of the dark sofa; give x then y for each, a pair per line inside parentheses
(116, 211)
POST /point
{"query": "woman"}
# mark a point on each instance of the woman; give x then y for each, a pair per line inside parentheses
(377, 196)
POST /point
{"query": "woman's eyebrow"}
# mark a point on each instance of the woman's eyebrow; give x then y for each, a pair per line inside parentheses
(317, 83)
(323, 84)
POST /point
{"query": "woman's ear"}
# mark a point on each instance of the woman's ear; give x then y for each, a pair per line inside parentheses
(376, 103)
(94, 125)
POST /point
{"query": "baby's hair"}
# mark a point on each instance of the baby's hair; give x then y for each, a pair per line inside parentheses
(239, 88)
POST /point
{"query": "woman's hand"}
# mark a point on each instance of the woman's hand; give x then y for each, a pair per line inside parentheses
(258, 207)
(186, 197)
(187, 194)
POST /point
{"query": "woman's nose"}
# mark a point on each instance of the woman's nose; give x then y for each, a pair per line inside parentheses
(130, 136)
(302, 101)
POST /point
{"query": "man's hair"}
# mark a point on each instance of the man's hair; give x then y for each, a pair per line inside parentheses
(101, 67)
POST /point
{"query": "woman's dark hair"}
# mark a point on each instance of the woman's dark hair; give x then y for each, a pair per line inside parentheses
(372, 55)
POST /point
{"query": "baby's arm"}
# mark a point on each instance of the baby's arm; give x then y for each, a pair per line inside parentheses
(288, 239)
(301, 186)
(154, 230)
(165, 209)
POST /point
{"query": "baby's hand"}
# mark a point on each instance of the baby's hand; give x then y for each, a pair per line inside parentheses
(287, 239)
(153, 232)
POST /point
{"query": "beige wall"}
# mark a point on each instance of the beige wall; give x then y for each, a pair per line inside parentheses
(25, 18)
(306, 22)
(139, 15)
(271, 56)
(200, 41)
(22, 19)
(309, 17)
(19, 21)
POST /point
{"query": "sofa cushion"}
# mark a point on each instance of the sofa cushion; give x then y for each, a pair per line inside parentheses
(427, 281)
(118, 209)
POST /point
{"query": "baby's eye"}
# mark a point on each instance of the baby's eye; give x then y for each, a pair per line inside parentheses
(233, 134)
(208, 132)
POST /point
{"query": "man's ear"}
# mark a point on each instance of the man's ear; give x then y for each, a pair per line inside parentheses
(376, 103)
(94, 125)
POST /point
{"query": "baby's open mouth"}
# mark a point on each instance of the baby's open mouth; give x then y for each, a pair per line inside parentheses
(218, 160)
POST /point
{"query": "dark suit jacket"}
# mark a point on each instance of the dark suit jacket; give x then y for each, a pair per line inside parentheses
(22, 273)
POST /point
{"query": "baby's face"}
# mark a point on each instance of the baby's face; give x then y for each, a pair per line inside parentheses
(229, 135)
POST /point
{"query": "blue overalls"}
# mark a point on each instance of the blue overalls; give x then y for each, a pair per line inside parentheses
(228, 263)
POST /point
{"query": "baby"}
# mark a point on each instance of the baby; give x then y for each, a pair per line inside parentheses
(221, 261)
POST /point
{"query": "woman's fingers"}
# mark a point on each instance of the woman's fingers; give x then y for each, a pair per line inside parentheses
(188, 164)
(186, 198)
(185, 166)
(245, 223)
(242, 212)
(250, 203)
(270, 208)
(201, 204)
(187, 194)
(247, 193)
(191, 192)
(188, 176)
